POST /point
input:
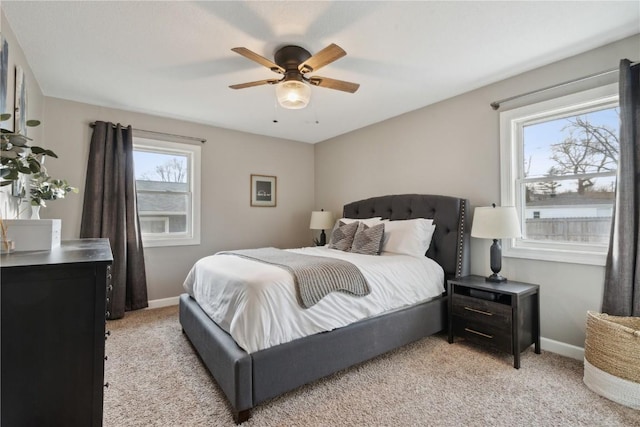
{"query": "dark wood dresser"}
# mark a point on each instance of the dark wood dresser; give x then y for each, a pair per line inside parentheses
(53, 334)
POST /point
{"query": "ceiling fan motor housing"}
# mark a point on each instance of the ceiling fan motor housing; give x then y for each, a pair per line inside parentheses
(290, 57)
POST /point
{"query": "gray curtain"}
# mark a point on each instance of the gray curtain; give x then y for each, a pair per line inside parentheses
(622, 274)
(110, 211)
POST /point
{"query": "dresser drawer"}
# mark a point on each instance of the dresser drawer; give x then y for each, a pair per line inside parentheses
(478, 310)
(496, 336)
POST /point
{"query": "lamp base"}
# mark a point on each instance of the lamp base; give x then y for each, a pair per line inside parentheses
(323, 239)
(495, 278)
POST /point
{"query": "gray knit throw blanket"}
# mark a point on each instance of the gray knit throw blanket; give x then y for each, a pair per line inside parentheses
(314, 276)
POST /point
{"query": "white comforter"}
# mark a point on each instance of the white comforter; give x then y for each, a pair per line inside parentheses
(256, 302)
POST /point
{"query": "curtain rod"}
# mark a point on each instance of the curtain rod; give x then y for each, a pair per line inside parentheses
(496, 104)
(191, 138)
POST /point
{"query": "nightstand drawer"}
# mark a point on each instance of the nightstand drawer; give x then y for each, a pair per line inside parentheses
(481, 310)
(486, 334)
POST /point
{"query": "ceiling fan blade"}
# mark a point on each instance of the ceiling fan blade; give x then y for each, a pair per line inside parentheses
(324, 57)
(334, 84)
(256, 83)
(259, 59)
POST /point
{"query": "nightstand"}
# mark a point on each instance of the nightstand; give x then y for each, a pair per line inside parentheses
(504, 316)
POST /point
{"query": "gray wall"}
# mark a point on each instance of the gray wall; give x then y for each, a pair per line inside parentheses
(228, 159)
(452, 148)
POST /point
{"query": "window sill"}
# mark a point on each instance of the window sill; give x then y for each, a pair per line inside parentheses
(555, 255)
(157, 243)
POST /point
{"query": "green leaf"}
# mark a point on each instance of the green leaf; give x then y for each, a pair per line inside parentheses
(24, 169)
(34, 167)
(12, 175)
(40, 150)
(18, 140)
(33, 123)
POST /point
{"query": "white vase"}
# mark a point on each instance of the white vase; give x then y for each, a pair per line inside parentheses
(35, 212)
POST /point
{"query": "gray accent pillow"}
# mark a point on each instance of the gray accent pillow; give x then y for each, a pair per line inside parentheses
(368, 240)
(342, 236)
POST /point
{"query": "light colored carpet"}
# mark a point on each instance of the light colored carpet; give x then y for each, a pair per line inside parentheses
(156, 379)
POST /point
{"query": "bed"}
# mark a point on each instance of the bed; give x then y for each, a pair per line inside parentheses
(248, 379)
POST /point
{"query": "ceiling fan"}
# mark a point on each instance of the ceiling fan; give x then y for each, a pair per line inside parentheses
(293, 62)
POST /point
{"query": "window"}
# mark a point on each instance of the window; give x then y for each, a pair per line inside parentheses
(558, 168)
(168, 190)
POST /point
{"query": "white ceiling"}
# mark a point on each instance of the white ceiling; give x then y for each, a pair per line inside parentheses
(174, 59)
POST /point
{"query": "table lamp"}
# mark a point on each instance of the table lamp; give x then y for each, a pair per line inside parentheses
(321, 220)
(496, 222)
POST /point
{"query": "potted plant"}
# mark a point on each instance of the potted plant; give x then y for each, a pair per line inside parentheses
(43, 188)
(20, 160)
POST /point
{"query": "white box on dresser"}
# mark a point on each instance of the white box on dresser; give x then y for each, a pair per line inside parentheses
(34, 234)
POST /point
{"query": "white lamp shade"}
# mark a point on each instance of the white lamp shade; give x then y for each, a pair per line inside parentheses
(293, 94)
(321, 220)
(499, 222)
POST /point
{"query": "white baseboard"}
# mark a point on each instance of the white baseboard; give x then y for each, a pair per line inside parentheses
(562, 348)
(163, 302)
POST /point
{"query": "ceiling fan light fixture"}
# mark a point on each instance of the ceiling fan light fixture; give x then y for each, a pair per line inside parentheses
(293, 94)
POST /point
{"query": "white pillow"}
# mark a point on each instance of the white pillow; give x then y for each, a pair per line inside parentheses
(408, 237)
(369, 222)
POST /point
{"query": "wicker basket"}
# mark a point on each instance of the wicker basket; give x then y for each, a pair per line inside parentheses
(612, 357)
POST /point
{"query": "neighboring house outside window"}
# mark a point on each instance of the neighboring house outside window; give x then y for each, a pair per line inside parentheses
(168, 191)
(558, 167)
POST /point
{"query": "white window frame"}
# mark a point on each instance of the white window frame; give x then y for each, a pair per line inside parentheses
(193, 154)
(511, 165)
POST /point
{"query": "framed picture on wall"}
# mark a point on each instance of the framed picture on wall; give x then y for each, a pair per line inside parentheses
(4, 64)
(263, 190)
(20, 112)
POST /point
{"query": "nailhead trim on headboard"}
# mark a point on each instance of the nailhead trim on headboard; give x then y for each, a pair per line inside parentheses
(461, 238)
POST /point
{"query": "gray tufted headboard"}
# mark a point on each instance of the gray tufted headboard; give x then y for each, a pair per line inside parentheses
(450, 243)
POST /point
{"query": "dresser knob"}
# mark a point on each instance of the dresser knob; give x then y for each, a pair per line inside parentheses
(108, 333)
(110, 288)
(106, 358)
(106, 385)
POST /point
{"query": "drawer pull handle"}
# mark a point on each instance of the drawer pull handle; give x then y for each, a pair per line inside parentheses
(106, 385)
(479, 333)
(486, 313)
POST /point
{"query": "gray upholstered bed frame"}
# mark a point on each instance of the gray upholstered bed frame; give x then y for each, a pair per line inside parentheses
(250, 379)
